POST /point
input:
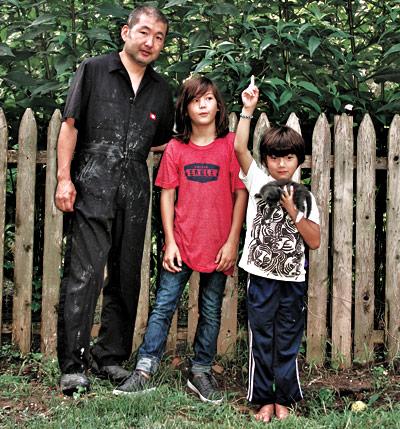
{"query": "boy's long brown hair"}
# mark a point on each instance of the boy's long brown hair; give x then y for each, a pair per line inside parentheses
(196, 87)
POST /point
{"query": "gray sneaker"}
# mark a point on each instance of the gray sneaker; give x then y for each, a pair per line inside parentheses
(71, 383)
(136, 383)
(205, 386)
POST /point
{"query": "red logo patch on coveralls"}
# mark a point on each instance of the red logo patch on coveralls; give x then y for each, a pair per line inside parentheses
(153, 116)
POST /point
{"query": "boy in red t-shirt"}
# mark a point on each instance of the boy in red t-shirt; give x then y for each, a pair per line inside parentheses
(202, 229)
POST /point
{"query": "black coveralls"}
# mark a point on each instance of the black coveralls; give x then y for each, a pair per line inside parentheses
(116, 129)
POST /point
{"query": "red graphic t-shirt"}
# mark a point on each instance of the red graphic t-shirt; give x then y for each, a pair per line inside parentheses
(206, 178)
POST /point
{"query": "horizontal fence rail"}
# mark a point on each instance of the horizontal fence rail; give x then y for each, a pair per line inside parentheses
(340, 299)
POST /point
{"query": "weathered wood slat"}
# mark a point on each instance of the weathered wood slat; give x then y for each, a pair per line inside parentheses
(365, 242)
(318, 271)
(228, 331)
(261, 126)
(172, 335)
(233, 122)
(144, 297)
(12, 155)
(3, 184)
(342, 241)
(381, 162)
(193, 306)
(24, 227)
(293, 122)
(53, 230)
(393, 242)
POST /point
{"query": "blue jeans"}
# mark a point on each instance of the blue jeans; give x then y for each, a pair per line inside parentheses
(211, 293)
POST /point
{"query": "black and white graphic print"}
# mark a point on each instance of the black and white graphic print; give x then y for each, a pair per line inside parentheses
(276, 246)
(202, 173)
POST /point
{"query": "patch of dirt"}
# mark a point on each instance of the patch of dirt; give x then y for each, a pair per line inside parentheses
(21, 408)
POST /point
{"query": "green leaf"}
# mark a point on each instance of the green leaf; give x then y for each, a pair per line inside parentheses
(63, 63)
(20, 79)
(374, 398)
(225, 9)
(175, 3)
(390, 107)
(387, 76)
(202, 65)
(275, 81)
(200, 37)
(267, 41)
(336, 103)
(226, 46)
(46, 88)
(108, 9)
(247, 41)
(309, 87)
(303, 28)
(43, 19)
(310, 102)
(272, 98)
(5, 51)
(313, 44)
(392, 50)
(98, 34)
(285, 97)
(181, 67)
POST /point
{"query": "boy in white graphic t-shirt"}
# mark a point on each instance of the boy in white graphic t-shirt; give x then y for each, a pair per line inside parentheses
(273, 255)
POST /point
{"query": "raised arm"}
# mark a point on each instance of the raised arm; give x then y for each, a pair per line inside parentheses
(65, 192)
(249, 99)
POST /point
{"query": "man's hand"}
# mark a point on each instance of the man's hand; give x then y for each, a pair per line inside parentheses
(172, 255)
(226, 256)
(65, 195)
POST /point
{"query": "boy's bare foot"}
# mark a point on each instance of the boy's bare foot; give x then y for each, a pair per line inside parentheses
(265, 413)
(281, 412)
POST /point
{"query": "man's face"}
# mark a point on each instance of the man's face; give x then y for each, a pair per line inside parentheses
(144, 41)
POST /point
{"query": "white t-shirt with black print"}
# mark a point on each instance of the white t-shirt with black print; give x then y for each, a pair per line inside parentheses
(273, 246)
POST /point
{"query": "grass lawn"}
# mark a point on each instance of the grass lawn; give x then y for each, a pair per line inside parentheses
(30, 398)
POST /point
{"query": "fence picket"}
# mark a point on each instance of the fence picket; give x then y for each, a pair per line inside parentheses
(3, 189)
(24, 226)
(342, 241)
(144, 297)
(261, 126)
(193, 308)
(293, 122)
(393, 242)
(228, 331)
(365, 242)
(53, 231)
(318, 271)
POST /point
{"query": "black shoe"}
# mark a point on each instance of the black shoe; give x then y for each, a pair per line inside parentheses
(205, 385)
(114, 373)
(74, 383)
(137, 383)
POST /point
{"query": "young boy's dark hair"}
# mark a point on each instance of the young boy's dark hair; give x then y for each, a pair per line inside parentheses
(196, 87)
(282, 141)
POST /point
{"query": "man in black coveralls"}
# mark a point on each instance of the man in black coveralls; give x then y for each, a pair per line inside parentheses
(117, 108)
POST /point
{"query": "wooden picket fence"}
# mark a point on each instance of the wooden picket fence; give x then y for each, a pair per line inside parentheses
(349, 291)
